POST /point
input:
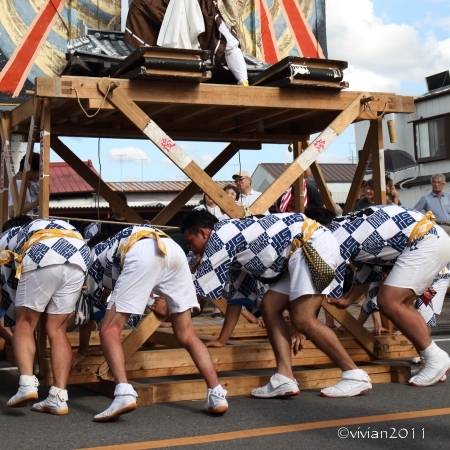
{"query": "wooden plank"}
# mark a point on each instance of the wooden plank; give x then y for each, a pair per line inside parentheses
(22, 112)
(360, 172)
(133, 342)
(213, 94)
(378, 170)
(170, 148)
(44, 169)
(299, 197)
(4, 178)
(192, 188)
(94, 181)
(315, 149)
(361, 334)
(323, 188)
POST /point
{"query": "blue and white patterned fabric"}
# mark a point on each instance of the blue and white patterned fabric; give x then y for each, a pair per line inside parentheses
(54, 250)
(8, 280)
(91, 230)
(104, 269)
(238, 247)
(371, 237)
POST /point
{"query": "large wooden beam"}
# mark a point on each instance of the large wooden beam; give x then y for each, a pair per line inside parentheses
(5, 158)
(323, 188)
(94, 181)
(174, 152)
(378, 171)
(217, 95)
(318, 146)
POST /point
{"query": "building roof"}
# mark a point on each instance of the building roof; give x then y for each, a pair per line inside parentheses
(333, 173)
(64, 179)
(155, 186)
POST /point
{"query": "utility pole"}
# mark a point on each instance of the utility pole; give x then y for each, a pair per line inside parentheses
(352, 156)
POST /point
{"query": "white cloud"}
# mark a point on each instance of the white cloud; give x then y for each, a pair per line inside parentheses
(204, 160)
(167, 162)
(129, 154)
(187, 148)
(382, 55)
(336, 158)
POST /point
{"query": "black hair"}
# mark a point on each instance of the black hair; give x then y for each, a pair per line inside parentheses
(234, 188)
(19, 221)
(35, 162)
(121, 195)
(322, 215)
(198, 218)
(94, 240)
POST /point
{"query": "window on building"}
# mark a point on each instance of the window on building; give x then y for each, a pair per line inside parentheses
(430, 139)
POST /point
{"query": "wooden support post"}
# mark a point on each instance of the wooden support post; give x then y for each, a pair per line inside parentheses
(134, 341)
(361, 169)
(364, 337)
(4, 179)
(120, 99)
(35, 119)
(298, 183)
(44, 169)
(192, 188)
(378, 171)
(94, 181)
(318, 146)
(323, 188)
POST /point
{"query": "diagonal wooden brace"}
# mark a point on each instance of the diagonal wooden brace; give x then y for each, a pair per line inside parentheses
(120, 99)
(364, 337)
(314, 150)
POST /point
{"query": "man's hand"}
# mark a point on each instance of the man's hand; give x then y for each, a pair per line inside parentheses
(341, 303)
(379, 330)
(215, 344)
(159, 307)
(297, 341)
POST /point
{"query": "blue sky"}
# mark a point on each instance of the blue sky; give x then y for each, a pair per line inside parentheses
(390, 46)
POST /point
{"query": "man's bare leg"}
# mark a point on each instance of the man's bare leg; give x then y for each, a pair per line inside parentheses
(124, 394)
(303, 317)
(397, 305)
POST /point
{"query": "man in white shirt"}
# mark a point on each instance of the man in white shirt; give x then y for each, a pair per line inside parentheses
(243, 182)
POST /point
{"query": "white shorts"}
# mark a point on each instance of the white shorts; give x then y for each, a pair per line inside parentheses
(148, 270)
(417, 266)
(54, 289)
(299, 281)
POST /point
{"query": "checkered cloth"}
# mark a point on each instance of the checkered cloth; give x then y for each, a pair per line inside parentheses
(8, 280)
(258, 247)
(371, 237)
(104, 269)
(54, 250)
(91, 230)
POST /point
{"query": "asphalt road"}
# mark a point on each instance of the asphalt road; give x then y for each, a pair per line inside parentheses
(295, 423)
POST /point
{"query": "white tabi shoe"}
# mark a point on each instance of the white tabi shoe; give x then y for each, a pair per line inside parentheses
(28, 390)
(415, 371)
(55, 403)
(124, 402)
(278, 386)
(437, 363)
(216, 402)
(354, 382)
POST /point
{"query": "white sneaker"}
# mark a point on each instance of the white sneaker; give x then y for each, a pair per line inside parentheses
(278, 386)
(28, 390)
(55, 403)
(434, 368)
(415, 371)
(124, 402)
(216, 402)
(354, 382)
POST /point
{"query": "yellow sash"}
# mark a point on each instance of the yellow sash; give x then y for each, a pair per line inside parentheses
(422, 227)
(308, 228)
(6, 255)
(126, 245)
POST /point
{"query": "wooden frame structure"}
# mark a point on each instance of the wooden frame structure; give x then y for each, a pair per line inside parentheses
(244, 116)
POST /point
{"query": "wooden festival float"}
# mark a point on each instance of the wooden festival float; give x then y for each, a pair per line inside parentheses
(144, 99)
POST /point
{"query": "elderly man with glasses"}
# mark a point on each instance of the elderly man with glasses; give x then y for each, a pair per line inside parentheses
(437, 201)
(243, 182)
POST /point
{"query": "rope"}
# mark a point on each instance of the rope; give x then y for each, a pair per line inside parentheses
(105, 221)
(101, 104)
(382, 113)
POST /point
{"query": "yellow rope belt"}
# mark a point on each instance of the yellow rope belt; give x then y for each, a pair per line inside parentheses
(422, 227)
(308, 228)
(126, 245)
(7, 256)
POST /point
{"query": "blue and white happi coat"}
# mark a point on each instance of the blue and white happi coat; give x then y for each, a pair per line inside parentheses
(375, 236)
(104, 269)
(239, 250)
(8, 280)
(65, 250)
